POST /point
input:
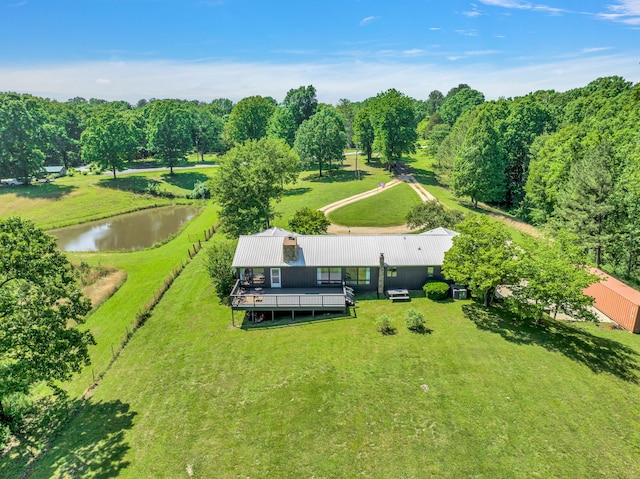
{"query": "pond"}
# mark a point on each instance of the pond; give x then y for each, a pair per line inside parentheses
(128, 232)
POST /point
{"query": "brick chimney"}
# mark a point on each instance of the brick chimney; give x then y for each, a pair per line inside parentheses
(290, 249)
(381, 276)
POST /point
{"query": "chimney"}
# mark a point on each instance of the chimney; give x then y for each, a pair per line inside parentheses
(290, 249)
(381, 273)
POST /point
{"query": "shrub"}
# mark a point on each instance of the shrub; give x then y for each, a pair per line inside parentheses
(201, 191)
(436, 290)
(384, 325)
(414, 320)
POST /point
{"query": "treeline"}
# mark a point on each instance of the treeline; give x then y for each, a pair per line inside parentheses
(565, 161)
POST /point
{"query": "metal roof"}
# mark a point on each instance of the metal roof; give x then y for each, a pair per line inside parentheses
(275, 231)
(441, 231)
(351, 250)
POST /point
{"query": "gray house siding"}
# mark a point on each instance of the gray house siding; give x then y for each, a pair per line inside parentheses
(411, 277)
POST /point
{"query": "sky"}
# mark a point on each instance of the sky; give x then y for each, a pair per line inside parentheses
(353, 49)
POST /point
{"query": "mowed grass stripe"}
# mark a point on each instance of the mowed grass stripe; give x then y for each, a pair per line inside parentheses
(337, 399)
(389, 207)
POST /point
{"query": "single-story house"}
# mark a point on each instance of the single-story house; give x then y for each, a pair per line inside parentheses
(56, 171)
(281, 270)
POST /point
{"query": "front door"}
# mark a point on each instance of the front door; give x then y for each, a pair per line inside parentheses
(275, 278)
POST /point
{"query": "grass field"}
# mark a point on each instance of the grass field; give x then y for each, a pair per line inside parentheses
(192, 397)
(387, 208)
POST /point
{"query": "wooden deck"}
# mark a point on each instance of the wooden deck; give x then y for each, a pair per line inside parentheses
(288, 299)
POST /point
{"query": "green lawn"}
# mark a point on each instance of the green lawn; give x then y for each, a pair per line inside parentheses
(80, 198)
(387, 208)
(335, 398)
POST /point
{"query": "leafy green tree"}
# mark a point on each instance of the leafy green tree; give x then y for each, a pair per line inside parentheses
(320, 139)
(457, 102)
(306, 221)
(222, 106)
(553, 278)
(248, 120)
(110, 139)
(431, 214)
(450, 147)
(302, 102)
(482, 257)
(348, 110)
(169, 128)
(435, 101)
(584, 205)
(218, 263)
(248, 182)
(22, 138)
(207, 130)
(363, 134)
(39, 298)
(282, 125)
(394, 124)
(478, 170)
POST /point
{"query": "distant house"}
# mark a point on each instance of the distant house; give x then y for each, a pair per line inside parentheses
(56, 171)
(281, 270)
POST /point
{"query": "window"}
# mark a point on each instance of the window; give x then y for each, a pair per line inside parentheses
(329, 276)
(357, 275)
(392, 272)
(252, 276)
(431, 271)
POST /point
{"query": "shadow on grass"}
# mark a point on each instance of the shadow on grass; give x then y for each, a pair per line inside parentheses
(185, 180)
(39, 190)
(601, 355)
(286, 321)
(295, 191)
(335, 176)
(425, 177)
(92, 444)
(135, 184)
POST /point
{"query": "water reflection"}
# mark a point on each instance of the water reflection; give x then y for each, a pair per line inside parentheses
(129, 232)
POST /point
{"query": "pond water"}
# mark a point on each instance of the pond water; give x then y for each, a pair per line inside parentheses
(128, 232)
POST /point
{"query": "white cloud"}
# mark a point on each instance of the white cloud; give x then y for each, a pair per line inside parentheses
(367, 20)
(414, 52)
(514, 4)
(103, 81)
(623, 11)
(595, 49)
(467, 33)
(472, 13)
(17, 4)
(348, 79)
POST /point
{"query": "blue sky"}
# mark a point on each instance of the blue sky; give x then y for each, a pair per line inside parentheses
(204, 49)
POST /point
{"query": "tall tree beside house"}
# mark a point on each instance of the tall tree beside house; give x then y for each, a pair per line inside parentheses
(482, 257)
(363, 134)
(248, 182)
(302, 103)
(585, 205)
(169, 131)
(110, 139)
(40, 305)
(218, 263)
(22, 137)
(321, 139)
(394, 123)
(431, 214)
(248, 120)
(553, 276)
(478, 170)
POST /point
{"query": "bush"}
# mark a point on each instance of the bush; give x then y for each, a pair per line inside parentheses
(384, 325)
(201, 191)
(414, 320)
(436, 290)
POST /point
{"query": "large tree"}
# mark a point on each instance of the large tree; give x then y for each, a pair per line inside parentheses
(394, 122)
(431, 214)
(584, 206)
(553, 277)
(22, 137)
(363, 134)
(110, 139)
(169, 131)
(282, 125)
(218, 264)
(40, 304)
(321, 139)
(207, 130)
(478, 170)
(458, 101)
(307, 221)
(482, 257)
(248, 120)
(250, 179)
(302, 102)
